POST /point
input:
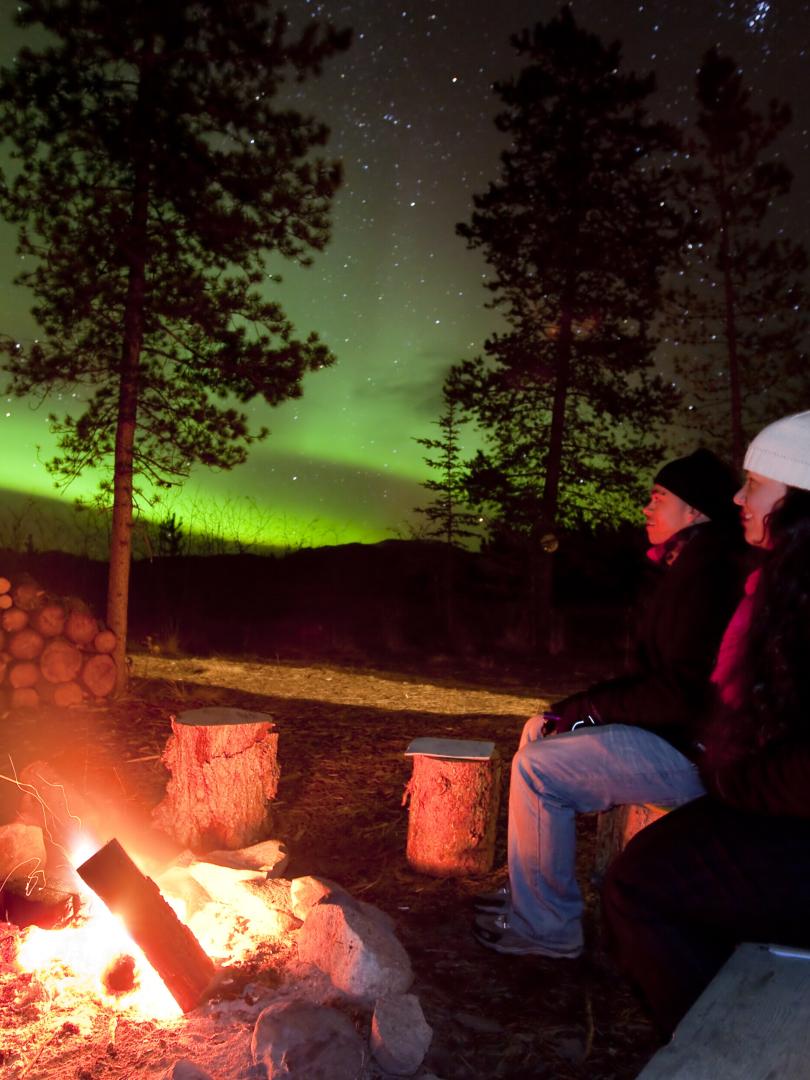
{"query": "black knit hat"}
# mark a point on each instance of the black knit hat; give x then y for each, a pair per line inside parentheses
(703, 481)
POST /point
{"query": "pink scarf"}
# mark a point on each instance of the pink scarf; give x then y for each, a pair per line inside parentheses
(731, 646)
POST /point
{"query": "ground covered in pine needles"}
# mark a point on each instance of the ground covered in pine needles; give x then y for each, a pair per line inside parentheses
(339, 810)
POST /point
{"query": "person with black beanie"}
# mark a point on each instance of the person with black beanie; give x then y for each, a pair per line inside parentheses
(731, 867)
(630, 739)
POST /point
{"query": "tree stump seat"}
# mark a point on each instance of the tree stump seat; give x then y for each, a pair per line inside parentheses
(224, 776)
(454, 792)
(615, 829)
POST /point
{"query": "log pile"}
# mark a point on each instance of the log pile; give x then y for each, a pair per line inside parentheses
(53, 651)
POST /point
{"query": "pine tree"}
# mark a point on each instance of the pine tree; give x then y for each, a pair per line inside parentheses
(742, 307)
(577, 231)
(448, 519)
(154, 171)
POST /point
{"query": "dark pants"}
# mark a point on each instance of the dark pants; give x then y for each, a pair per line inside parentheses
(694, 884)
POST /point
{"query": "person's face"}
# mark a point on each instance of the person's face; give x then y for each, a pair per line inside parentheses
(666, 514)
(757, 498)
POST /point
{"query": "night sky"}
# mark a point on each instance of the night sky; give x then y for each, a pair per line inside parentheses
(396, 295)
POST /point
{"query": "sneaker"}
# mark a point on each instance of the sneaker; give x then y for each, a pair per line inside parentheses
(495, 932)
(495, 901)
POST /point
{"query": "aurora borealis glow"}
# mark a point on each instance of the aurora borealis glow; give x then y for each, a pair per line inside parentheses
(396, 295)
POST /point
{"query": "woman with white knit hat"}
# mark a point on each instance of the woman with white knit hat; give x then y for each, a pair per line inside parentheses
(735, 865)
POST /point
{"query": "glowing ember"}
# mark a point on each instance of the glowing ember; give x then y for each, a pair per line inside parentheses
(75, 961)
(94, 962)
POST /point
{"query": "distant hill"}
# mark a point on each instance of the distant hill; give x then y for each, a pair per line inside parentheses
(354, 601)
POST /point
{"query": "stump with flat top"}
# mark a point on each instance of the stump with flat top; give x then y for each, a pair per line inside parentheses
(224, 775)
(454, 792)
(615, 829)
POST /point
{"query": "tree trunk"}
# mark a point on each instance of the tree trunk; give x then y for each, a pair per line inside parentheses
(224, 774)
(453, 814)
(128, 387)
(541, 555)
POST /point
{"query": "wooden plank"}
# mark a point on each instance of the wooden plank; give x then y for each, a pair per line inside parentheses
(751, 1023)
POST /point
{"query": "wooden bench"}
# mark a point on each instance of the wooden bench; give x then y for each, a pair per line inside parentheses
(751, 1023)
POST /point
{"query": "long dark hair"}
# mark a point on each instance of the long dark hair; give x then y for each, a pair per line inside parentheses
(774, 669)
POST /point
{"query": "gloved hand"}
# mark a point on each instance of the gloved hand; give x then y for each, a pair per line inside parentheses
(570, 713)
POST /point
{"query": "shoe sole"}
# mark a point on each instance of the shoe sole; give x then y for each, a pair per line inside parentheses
(490, 940)
(490, 907)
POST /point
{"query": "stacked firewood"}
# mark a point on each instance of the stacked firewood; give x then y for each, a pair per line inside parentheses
(52, 650)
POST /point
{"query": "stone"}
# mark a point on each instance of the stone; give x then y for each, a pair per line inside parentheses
(269, 856)
(183, 1069)
(300, 1041)
(361, 956)
(46, 902)
(400, 1035)
(22, 851)
(306, 892)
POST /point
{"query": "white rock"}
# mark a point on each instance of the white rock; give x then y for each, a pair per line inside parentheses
(300, 1041)
(358, 952)
(270, 856)
(306, 892)
(400, 1035)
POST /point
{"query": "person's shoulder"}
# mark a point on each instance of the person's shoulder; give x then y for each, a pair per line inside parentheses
(717, 538)
(713, 546)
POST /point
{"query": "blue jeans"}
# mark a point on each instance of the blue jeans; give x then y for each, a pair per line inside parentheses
(555, 779)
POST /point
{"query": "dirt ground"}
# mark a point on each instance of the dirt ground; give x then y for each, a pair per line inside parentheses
(339, 810)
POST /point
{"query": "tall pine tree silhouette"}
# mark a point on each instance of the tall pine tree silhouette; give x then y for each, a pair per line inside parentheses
(740, 304)
(577, 230)
(155, 169)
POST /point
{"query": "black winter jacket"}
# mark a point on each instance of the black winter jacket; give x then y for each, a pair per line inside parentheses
(774, 780)
(679, 629)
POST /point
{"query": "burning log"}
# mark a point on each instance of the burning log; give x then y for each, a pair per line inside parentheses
(61, 661)
(169, 946)
(23, 673)
(27, 595)
(81, 627)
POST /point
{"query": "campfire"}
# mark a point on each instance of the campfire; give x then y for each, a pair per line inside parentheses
(94, 958)
(113, 957)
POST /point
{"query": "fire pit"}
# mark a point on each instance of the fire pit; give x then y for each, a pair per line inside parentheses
(306, 976)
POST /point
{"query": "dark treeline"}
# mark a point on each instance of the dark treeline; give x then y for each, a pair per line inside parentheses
(363, 602)
(650, 303)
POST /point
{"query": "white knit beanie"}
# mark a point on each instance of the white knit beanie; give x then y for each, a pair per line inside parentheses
(781, 451)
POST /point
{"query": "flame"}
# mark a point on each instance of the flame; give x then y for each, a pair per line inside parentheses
(73, 963)
(75, 960)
